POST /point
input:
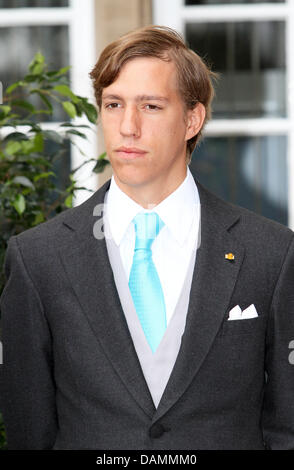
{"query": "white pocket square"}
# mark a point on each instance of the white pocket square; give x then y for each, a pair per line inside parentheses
(237, 314)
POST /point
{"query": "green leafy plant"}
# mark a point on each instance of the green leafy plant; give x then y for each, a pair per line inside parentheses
(29, 152)
(29, 193)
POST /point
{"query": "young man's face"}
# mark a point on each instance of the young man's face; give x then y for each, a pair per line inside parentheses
(144, 124)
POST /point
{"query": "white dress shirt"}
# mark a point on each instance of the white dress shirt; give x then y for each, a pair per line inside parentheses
(172, 248)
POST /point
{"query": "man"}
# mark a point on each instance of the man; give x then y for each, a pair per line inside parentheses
(157, 331)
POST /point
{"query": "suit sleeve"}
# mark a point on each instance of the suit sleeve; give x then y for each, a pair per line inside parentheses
(27, 383)
(278, 412)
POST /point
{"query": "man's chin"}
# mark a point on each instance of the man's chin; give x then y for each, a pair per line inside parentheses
(130, 179)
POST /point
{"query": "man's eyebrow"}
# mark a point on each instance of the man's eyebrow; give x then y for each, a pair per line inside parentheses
(111, 97)
(137, 98)
(151, 98)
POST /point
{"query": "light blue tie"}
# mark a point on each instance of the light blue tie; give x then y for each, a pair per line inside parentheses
(144, 282)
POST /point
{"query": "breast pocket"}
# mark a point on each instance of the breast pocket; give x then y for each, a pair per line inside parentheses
(247, 326)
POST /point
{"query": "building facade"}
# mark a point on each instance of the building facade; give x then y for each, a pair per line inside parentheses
(247, 153)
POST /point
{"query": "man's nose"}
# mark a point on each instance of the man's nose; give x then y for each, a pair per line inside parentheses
(130, 122)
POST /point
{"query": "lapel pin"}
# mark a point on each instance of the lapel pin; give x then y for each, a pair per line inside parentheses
(230, 256)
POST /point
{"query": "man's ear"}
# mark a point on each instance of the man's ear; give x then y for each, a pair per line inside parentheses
(195, 118)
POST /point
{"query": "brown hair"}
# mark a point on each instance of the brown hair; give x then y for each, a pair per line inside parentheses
(194, 77)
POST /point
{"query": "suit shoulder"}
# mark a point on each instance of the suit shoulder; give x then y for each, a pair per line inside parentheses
(262, 226)
(46, 230)
(56, 229)
(251, 225)
(263, 235)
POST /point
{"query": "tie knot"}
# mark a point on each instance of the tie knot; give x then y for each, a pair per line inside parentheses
(147, 227)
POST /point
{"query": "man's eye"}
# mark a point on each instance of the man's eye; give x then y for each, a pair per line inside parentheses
(152, 107)
(112, 105)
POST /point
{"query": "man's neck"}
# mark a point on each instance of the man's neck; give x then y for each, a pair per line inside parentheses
(150, 195)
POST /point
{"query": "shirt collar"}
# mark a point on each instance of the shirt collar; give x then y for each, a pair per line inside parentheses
(177, 211)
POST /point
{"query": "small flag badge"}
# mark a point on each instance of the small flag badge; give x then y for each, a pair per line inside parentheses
(230, 256)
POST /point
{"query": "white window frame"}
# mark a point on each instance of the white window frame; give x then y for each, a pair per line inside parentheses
(175, 14)
(79, 16)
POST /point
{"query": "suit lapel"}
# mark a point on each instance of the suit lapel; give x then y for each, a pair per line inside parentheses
(88, 269)
(213, 282)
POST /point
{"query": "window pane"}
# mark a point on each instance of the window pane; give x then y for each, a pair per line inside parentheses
(250, 57)
(33, 3)
(248, 171)
(221, 2)
(52, 41)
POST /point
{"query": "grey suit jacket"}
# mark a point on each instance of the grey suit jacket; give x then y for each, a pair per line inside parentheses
(71, 378)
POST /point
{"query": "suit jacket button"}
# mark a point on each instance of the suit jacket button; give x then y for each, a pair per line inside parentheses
(156, 431)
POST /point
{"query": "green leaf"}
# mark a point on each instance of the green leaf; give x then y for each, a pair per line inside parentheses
(66, 91)
(84, 188)
(28, 146)
(30, 78)
(39, 58)
(4, 110)
(79, 108)
(39, 142)
(43, 175)
(74, 132)
(14, 86)
(37, 65)
(11, 88)
(68, 201)
(39, 218)
(15, 136)
(26, 191)
(69, 108)
(36, 160)
(42, 111)
(64, 70)
(53, 135)
(69, 124)
(13, 147)
(53, 74)
(35, 127)
(19, 204)
(46, 101)
(90, 111)
(100, 165)
(102, 156)
(24, 104)
(43, 98)
(36, 144)
(24, 181)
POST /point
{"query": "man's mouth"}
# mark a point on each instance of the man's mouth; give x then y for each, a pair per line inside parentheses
(130, 153)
